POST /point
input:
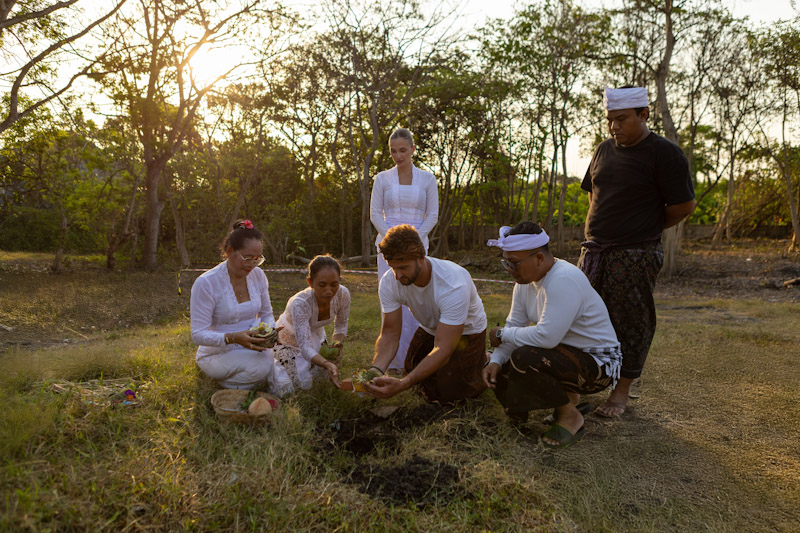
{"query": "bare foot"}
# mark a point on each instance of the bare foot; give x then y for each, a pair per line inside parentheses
(611, 409)
(617, 401)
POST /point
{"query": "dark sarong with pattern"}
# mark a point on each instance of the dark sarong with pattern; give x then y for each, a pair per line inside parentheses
(625, 277)
(460, 378)
(539, 378)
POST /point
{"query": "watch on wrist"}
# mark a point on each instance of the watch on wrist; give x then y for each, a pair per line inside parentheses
(499, 334)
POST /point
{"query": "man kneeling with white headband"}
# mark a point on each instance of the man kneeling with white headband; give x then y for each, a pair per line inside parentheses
(557, 342)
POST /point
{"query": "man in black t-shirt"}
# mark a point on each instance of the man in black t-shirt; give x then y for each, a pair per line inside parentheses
(638, 184)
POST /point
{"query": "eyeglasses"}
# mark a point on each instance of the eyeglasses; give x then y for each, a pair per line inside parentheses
(257, 261)
(512, 265)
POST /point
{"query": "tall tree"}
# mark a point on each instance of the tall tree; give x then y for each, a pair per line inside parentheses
(449, 118)
(780, 46)
(651, 35)
(151, 73)
(739, 94)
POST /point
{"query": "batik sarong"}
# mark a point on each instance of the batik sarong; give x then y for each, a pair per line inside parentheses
(539, 378)
(625, 277)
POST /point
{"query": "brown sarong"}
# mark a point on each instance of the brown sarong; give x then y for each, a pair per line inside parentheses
(460, 377)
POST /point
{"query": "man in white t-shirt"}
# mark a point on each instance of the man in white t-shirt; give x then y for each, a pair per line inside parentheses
(557, 342)
(448, 351)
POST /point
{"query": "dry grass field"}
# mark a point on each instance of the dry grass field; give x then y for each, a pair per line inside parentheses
(713, 444)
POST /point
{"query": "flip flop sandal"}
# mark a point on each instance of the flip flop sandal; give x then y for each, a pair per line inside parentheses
(583, 408)
(562, 435)
(635, 391)
(615, 405)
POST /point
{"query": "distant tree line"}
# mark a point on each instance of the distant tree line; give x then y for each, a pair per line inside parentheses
(114, 140)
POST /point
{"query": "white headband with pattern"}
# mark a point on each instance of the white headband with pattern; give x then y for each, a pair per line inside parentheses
(520, 241)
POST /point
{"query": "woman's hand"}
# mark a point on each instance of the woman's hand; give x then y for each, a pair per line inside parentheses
(333, 372)
(246, 340)
(272, 339)
(338, 345)
(330, 366)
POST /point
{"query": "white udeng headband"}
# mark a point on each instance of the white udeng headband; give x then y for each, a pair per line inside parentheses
(630, 98)
(521, 241)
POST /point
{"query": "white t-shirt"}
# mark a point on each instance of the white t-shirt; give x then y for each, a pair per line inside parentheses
(450, 297)
(560, 308)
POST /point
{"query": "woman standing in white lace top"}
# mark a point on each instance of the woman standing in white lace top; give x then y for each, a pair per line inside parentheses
(304, 320)
(226, 302)
(403, 195)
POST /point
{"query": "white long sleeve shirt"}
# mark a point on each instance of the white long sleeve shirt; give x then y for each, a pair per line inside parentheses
(393, 204)
(215, 310)
(561, 308)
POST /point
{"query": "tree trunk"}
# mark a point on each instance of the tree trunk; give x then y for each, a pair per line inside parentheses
(461, 244)
(560, 230)
(153, 214)
(58, 260)
(180, 234)
(787, 177)
(134, 247)
(366, 227)
(116, 240)
(670, 238)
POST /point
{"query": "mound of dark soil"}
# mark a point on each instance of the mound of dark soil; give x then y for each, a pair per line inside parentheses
(418, 481)
(361, 436)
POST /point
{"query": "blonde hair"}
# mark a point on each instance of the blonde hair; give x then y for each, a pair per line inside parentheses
(402, 133)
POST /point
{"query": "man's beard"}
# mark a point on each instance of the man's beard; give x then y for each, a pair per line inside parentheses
(413, 277)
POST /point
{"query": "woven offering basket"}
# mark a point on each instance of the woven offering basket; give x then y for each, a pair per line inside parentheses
(227, 403)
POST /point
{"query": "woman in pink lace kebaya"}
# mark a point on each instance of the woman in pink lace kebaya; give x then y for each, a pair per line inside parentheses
(304, 320)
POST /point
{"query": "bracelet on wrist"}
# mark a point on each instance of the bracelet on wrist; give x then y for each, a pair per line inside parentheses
(377, 368)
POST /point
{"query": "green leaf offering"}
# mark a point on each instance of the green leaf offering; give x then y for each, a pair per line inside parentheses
(251, 396)
(263, 330)
(364, 376)
(328, 352)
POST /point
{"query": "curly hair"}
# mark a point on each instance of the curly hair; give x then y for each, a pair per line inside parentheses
(402, 243)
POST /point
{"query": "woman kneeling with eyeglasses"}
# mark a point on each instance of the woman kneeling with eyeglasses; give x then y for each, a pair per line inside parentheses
(226, 302)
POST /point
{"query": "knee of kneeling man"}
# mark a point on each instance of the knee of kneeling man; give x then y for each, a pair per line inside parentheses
(517, 361)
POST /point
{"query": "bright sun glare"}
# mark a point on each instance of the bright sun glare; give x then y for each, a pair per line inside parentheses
(208, 64)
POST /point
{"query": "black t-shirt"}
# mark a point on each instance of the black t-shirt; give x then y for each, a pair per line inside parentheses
(630, 187)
